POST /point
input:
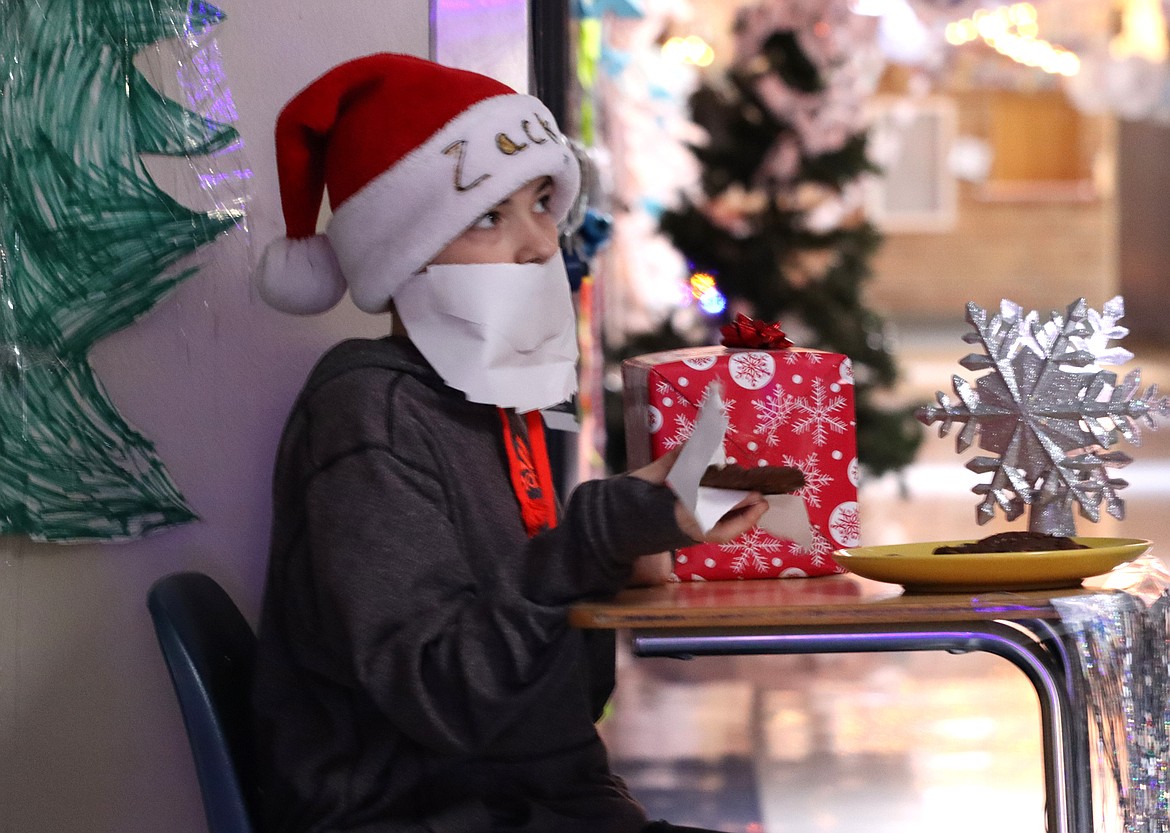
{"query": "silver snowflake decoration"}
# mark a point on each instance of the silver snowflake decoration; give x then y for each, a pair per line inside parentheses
(1050, 412)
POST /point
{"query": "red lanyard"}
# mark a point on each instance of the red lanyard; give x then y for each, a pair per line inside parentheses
(529, 470)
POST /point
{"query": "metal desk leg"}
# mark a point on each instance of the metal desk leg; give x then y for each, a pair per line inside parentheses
(1063, 649)
(1046, 674)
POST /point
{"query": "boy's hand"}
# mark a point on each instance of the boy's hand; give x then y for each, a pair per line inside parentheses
(656, 472)
(652, 570)
(742, 517)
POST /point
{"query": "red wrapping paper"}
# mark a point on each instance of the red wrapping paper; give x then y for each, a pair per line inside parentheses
(785, 408)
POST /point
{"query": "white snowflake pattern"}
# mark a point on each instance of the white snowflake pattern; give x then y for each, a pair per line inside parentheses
(701, 362)
(728, 410)
(653, 419)
(803, 357)
(773, 412)
(847, 372)
(663, 387)
(815, 551)
(845, 524)
(819, 410)
(751, 551)
(683, 427)
(814, 478)
(751, 370)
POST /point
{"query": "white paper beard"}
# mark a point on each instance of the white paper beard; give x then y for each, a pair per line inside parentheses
(503, 333)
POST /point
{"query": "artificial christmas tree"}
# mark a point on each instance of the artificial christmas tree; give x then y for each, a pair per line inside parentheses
(778, 221)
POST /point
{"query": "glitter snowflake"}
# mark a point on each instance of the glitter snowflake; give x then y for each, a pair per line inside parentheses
(752, 551)
(820, 414)
(1049, 411)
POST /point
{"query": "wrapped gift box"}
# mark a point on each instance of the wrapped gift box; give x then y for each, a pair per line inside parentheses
(785, 408)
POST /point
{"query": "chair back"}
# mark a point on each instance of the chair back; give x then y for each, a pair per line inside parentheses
(210, 652)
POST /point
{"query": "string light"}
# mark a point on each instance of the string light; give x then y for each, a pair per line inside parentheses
(1143, 32)
(689, 50)
(1014, 31)
(704, 290)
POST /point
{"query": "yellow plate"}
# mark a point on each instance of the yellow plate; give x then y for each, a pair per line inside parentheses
(918, 568)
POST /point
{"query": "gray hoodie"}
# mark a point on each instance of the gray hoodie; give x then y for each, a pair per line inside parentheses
(416, 671)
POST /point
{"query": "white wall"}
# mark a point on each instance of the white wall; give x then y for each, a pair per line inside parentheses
(90, 735)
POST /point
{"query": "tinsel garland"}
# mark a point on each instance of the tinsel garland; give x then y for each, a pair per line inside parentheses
(1123, 650)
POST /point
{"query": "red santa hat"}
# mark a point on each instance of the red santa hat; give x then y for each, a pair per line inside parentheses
(412, 153)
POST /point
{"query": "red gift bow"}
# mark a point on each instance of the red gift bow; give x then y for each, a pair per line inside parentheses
(747, 332)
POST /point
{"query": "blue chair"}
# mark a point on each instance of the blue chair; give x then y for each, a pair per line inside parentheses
(210, 652)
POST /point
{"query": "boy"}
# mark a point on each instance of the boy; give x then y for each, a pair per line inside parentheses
(416, 671)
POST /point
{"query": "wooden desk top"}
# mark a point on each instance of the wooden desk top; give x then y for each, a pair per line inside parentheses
(826, 600)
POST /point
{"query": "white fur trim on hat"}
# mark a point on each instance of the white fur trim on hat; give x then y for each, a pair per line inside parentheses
(300, 276)
(395, 225)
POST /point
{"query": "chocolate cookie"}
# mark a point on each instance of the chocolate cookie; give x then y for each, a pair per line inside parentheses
(1015, 542)
(767, 480)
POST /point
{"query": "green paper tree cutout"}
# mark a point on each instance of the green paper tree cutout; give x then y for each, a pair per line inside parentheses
(88, 243)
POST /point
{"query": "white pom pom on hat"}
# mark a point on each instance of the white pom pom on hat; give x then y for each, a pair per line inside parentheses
(411, 153)
(300, 276)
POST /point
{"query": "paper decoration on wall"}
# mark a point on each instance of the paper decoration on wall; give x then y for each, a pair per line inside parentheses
(89, 242)
(1049, 410)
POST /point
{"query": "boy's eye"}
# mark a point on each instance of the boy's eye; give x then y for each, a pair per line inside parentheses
(543, 203)
(487, 221)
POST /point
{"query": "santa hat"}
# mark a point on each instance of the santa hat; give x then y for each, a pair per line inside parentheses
(412, 154)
